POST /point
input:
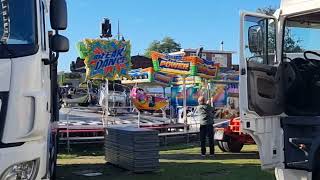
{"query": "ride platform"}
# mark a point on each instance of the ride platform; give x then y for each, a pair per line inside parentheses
(86, 125)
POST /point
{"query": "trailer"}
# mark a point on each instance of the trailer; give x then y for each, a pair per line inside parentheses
(230, 138)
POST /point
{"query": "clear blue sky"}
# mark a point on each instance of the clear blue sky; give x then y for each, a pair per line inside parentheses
(191, 23)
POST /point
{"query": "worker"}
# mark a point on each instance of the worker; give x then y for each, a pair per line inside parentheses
(204, 115)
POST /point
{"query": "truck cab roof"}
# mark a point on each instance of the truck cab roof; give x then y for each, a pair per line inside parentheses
(292, 7)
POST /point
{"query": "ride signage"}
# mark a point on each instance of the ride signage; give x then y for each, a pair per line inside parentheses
(170, 64)
(184, 65)
(105, 59)
(162, 78)
(207, 72)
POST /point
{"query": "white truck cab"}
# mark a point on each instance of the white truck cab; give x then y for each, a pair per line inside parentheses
(28, 86)
(280, 87)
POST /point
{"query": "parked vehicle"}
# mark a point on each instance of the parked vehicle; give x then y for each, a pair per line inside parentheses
(279, 87)
(28, 90)
(230, 138)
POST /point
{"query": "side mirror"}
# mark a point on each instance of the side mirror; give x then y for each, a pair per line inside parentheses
(59, 43)
(255, 39)
(58, 14)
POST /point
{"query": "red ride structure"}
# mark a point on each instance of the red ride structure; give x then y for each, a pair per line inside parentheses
(230, 138)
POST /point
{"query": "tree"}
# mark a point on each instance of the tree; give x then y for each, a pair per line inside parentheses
(166, 45)
(290, 43)
(154, 46)
(267, 10)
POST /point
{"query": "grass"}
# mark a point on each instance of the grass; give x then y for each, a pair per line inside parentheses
(180, 162)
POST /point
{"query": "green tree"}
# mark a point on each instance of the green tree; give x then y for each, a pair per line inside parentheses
(154, 46)
(290, 43)
(166, 45)
(269, 10)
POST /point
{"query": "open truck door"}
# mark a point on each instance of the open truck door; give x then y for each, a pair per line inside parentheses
(261, 100)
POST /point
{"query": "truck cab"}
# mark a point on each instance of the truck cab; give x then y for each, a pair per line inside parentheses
(280, 85)
(29, 51)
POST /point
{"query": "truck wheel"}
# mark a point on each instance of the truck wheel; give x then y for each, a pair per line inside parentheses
(220, 145)
(232, 145)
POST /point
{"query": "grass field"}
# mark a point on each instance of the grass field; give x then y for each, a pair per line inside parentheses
(181, 162)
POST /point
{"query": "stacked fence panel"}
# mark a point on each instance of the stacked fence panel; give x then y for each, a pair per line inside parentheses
(135, 149)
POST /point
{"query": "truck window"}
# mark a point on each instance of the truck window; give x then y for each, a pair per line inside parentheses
(301, 51)
(301, 36)
(21, 16)
(265, 45)
(18, 28)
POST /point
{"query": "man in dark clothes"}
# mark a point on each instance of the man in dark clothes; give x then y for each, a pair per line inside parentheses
(205, 115)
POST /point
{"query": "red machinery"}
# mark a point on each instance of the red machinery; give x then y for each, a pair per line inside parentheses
(230, 138)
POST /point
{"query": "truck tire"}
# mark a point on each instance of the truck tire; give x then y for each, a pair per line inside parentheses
(220, 145)
(231, 145)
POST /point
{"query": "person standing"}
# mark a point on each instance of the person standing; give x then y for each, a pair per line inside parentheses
(204, 114)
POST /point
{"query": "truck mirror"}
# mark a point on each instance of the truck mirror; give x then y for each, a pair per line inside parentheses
(255, 39)
(59, 43)
(58, 14)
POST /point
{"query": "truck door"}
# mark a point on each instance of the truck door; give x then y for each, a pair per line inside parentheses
(260, 88)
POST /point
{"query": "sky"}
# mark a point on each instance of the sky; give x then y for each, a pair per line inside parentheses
(191, 23)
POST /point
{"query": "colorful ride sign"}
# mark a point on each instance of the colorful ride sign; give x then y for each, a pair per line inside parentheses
(184, 65)
(105, 59)
(171, 64)
(147, 75)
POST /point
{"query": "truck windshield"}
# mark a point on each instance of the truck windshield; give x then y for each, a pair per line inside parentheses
(302, 34)
(301, 49)
(17, 28)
